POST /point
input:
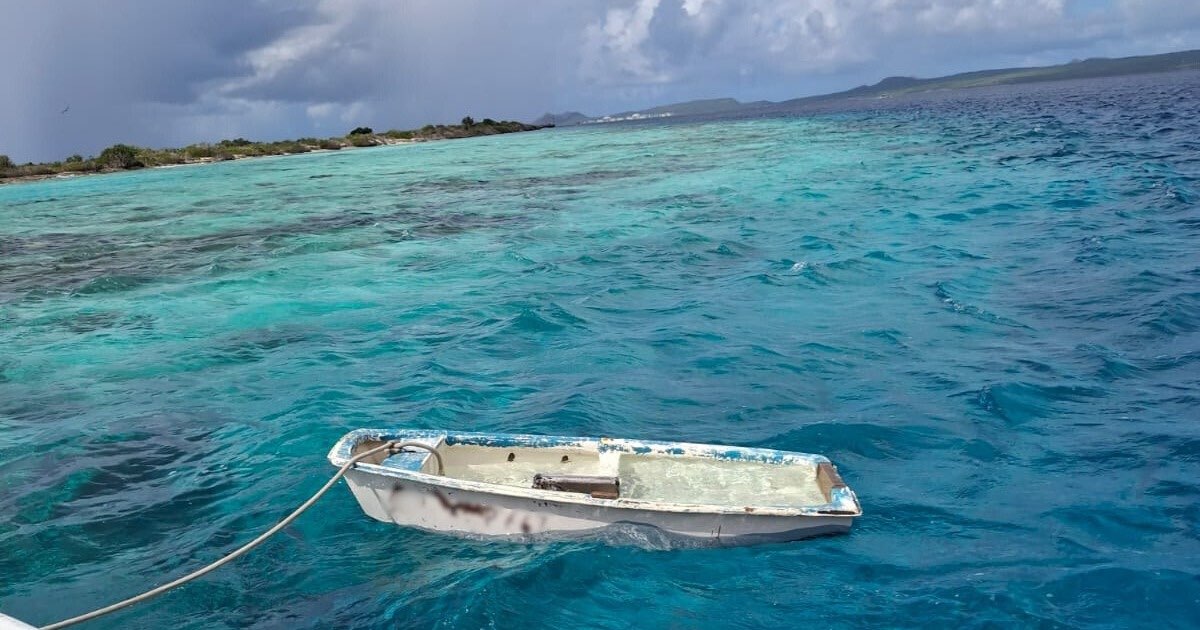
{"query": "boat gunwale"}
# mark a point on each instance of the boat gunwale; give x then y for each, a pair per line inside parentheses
(844, 502)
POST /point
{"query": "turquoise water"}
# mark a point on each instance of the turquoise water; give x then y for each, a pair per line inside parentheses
(982, 306)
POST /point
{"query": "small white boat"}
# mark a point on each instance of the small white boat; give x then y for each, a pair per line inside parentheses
(530, 486)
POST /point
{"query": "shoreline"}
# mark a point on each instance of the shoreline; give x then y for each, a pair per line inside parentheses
(122, 158)
(196, 162)
(25, 179)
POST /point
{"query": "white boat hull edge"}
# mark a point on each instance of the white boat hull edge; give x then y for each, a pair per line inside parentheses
(8, 623)
(436, 508)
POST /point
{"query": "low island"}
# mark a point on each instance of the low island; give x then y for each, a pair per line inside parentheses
(120, 157)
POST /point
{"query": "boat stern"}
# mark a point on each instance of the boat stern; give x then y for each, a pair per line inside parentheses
(842, 500)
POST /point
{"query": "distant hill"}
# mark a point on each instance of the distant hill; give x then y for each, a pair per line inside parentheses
(1086, 69)
(561, 120)
(894, 86)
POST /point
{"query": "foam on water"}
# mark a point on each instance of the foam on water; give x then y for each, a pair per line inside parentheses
(994, 332)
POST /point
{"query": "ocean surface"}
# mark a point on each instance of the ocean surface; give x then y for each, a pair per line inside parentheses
(983, 305)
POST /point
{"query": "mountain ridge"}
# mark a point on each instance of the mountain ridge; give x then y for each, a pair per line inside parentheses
(1096, 67)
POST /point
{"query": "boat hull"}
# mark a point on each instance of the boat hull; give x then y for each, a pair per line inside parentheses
(433, 507)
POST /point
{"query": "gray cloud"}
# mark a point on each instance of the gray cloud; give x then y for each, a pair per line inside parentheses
(167, 73)
(110, 62)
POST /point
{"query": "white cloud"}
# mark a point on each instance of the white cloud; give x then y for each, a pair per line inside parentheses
(614, 49)
(985, 16)
(1162, 17)
(299, 46)
(703, 14)
(797, 36)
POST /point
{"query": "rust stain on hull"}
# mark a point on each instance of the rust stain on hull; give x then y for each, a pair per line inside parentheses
(454, 507)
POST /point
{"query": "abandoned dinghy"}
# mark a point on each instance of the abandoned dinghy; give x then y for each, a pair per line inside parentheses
(531, 486)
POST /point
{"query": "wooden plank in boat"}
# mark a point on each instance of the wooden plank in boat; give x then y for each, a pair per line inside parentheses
(598, 486)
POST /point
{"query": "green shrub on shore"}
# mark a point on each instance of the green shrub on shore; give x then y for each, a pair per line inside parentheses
(80, 166)
(160, 157)
(5, 162)
(119, 156)
(198, 151)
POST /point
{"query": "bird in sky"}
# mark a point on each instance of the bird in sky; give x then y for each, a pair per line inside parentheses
(66, 109)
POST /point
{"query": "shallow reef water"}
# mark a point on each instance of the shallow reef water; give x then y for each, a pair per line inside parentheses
(983, 305)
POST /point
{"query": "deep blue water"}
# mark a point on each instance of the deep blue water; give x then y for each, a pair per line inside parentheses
(983, 305)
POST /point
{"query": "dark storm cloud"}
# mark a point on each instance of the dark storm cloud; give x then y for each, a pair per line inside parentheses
(146, 50)
(170, 73)
(109, 60)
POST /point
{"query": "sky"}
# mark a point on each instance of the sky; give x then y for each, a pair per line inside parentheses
(79, 75)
